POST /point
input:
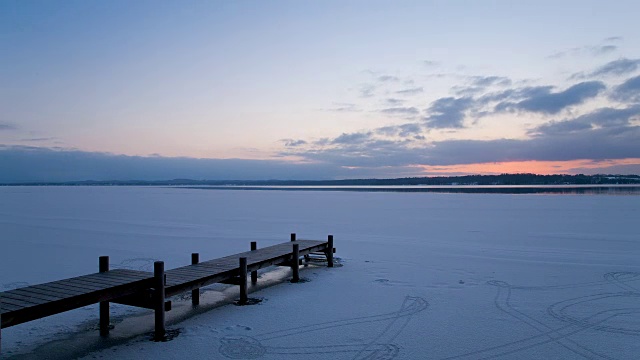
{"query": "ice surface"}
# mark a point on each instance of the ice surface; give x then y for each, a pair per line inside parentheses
(424, 276)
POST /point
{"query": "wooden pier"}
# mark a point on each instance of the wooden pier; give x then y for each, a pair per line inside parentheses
(150, 290)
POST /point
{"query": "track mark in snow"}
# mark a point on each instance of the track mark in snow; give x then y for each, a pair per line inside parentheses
(611, 312)
(378, 348)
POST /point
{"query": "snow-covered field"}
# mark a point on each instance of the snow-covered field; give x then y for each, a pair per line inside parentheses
(423, 275)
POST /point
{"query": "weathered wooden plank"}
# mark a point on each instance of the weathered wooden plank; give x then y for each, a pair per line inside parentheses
(75, 287)
(70, 291)
(187, 273)
(192, 274)
(183, 278)
(196, 273)
(198, 269)
(113, 274)
(27, 292)
(214, 268)
(48, 292)
(85, 283)
(6, 307)
(99, 280)
(205, 272)
(71, 280)
(105, 278)
(140, 273)
(17, 303)
(18, 299)
(175, 277)
(221, 262)
(126, 273)
(74, 302)
(208, 267)
(78, 284)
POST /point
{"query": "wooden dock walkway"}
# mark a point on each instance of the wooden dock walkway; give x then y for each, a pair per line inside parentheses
(149, 290)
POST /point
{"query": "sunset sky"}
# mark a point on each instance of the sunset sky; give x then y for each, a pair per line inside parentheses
(316, 90)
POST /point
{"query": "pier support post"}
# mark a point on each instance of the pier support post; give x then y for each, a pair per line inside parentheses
(254, 273)
(243, 281)
(103, 266)
(330, 251)
(293, 236)
(195, 293)
(159, 284)
(295, 263)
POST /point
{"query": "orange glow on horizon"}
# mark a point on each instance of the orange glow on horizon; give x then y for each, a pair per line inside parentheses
(533, 166)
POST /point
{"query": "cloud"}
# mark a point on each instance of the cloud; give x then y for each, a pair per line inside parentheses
(603, 49)
(367, 90)
(606, 133)
(479, 84)
(351, 138)
(484, 81)
(613, 38)
(40, 139)
(293, 143)
(448, 112)
(430, 63)
(596, 50)
(628, 90)
(559, 127)
(394, 101)
(410, 91)
(7, 126)
(401, 111)
(601, 118)
(404, 130)
(610, 117)
(598, 144)
(617, 67)
(388, 78)
(36, 164)
(542, 100)
(344, 107)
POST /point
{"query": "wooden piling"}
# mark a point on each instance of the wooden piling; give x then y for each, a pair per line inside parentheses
(330, 251)
(195, 293)
(159, 284)
(254, 273)
(243, 281)
(103, 266)
(295, 263)
(293, 236)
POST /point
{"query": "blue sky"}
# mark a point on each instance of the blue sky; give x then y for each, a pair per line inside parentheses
(331, 89)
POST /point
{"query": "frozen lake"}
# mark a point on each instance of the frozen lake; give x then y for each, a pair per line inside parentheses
(423, 275)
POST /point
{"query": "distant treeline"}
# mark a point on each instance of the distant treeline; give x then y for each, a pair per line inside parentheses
(503, 179)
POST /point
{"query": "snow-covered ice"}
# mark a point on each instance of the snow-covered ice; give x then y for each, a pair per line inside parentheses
(422, 275)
